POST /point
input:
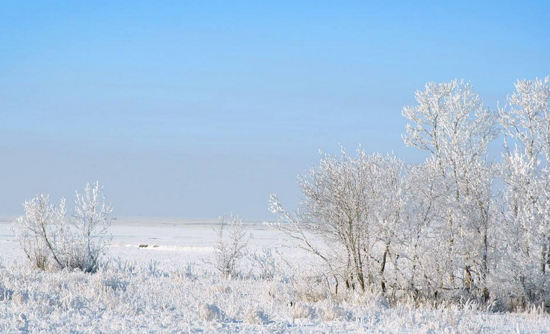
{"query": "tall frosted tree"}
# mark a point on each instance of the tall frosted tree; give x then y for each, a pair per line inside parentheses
(421, 230)
(525, 121)
(452, 124)
(457, 225)
(353, 206)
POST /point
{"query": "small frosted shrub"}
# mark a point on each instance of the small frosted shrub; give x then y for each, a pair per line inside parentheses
(87, 231)
(311, 289)
(116, 284)
(333, 313)
(231, 246)
(256, 316)
(221, 289)
(51, 241)
(20, 297)
(302, 311)
(266, 264)
(124, 266)
(211, 312)
(39, 230)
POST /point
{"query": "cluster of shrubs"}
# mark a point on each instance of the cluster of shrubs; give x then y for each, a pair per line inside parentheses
(51, 240)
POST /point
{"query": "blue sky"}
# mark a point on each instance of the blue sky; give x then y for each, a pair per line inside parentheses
(200, 108)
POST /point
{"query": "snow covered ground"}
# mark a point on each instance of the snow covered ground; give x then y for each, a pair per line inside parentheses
(169, 286)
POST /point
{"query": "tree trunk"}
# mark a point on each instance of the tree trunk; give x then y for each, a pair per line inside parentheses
(383, 267)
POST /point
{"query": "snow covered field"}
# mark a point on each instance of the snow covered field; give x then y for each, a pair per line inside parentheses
(169, 286)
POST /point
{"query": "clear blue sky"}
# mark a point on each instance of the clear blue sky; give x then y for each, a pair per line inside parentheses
(199, 108)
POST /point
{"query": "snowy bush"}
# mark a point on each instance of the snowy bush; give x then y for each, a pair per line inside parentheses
(332, 312)
(354, 205)
(39, 231)
(211, 312)
(301, 310)
(255, 315)
(231, 245)
(87, 233)
(266, 264)
(50, 240)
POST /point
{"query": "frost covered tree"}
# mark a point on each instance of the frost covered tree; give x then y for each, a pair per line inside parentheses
(451, 123)
(423, 221)
(231, 245)
(525, 121)
(39, 230)
(455, 227)
(349, 217)
(50, 240)
(87, 236)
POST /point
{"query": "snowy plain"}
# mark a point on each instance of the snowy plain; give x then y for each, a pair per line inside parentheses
(168, 285)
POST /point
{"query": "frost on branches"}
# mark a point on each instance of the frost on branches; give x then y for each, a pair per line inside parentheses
(52, 241)
(457, 227)
(525, 122)
(352, 204)
(451, 123)
(39, 231)
(231, 245)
